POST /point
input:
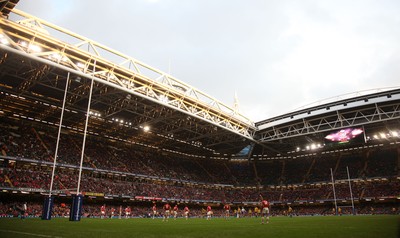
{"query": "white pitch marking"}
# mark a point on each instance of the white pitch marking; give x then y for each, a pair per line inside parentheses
(30, 234)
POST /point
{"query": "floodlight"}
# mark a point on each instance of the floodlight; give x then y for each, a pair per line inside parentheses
(146, 128)
(80, 65)
(3, 40)
(58, 57)
(34, 48)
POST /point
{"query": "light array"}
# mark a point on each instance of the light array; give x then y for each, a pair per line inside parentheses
(95, 114)
(312, 146)
(30, 47)
(392, 134)
(57, 57)
(3, 40)
(122, 121)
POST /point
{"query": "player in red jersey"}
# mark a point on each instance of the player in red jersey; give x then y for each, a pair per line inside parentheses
(227, 209)
(186, 212)
(167, 210)
(128, 211)
(209, 212)
(264, 210)
(175, 211)
(103, 211)
(154, 209)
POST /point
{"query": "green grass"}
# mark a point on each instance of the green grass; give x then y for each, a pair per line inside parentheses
(346, 226)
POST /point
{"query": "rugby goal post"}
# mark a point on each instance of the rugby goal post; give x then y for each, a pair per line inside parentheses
(351, 193)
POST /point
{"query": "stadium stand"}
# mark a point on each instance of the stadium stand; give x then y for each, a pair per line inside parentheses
(26, 166)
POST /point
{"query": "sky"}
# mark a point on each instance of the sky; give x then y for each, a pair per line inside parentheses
(277, 56)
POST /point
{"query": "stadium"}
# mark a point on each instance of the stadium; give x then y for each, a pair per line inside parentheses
(82, 121)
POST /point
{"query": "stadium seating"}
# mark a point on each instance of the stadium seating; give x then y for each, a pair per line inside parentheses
(28, 151)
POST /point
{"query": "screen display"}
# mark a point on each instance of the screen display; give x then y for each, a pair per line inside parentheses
(345, 135)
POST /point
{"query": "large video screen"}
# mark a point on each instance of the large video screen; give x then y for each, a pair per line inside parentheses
(345, 135)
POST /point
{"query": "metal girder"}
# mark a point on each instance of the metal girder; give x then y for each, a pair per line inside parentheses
(6, 6)
(171, 129)
(32, 36)
(358, 116)
(35, 76)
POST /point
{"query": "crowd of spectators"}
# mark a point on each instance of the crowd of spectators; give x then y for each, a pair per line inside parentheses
(382, 163)
(283, 181)
(296, 170)
(27, 176)
(26, 141)
(269, 172)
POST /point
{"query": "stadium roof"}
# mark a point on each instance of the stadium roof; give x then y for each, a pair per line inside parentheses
(377, 112)
(127, 97)
(37, 58)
